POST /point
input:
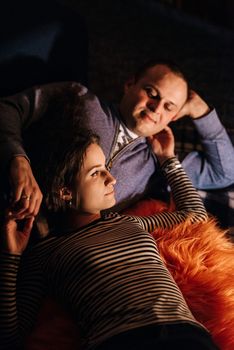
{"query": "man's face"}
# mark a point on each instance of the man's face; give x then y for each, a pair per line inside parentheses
(150, 103)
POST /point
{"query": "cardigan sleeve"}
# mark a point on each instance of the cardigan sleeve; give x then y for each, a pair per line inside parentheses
(22, 110)
(213, 168)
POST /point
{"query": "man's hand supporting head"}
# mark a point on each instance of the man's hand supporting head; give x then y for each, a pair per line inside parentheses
(195, 107)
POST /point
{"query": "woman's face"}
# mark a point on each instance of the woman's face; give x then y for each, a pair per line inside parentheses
(94, 185)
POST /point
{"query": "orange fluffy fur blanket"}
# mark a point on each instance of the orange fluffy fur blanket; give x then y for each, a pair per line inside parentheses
(201, 260)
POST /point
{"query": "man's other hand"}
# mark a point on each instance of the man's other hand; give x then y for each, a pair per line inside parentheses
(195, 107)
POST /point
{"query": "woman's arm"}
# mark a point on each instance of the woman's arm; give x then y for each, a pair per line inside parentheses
(188, 203)
(21, 285)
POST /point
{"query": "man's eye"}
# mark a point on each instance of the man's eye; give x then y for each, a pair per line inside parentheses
(151, 92)
(168, 107)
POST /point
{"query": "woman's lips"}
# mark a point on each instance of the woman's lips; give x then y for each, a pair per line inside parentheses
(110, 193)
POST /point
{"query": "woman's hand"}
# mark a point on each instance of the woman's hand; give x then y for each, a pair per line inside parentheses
(163, 144)
(14, 239)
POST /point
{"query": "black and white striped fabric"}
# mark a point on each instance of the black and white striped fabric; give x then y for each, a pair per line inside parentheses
(109, 274)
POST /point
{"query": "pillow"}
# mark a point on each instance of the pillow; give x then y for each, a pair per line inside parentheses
(201, 260)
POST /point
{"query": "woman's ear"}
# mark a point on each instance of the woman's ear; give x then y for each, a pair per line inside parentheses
(65, 194)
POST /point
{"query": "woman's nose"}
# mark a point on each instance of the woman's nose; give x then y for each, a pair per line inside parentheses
(110, 179)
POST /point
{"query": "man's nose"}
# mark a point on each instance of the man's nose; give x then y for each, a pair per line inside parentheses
(155, 106)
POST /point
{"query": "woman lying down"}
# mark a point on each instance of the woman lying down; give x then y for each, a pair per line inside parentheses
(104, 268)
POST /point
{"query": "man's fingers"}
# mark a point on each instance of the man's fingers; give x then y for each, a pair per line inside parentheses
(16, 193)
(27, 205)
(34, 204)
(37, 206)
(28, 225)
(26, 194)
(22, 191)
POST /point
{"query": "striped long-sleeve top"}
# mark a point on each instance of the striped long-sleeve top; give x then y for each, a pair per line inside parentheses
(108, 274)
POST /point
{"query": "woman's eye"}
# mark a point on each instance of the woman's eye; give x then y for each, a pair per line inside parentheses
(95, 173)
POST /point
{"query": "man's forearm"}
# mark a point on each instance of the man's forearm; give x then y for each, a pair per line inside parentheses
(20, 111)
(213, 168)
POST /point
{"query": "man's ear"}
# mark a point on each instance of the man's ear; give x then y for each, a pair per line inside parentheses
(65, 194)
(128, 84)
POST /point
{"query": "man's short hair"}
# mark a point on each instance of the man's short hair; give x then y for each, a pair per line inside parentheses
(173, 66)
